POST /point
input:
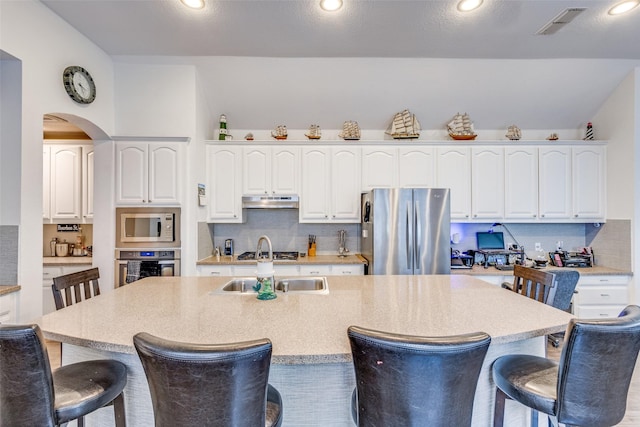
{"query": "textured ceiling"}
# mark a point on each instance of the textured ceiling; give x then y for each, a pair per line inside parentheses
(362, 28)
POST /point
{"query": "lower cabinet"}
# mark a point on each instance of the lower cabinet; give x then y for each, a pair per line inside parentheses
(48, 273)
(283, 270)
(8, 308)
(601, 296)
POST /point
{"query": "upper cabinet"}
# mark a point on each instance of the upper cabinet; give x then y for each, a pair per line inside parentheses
(148, 173)
(589, 182)
(487, 178)
(554, 177)
(330, 184)
(404, 167)
(454, 172)
(270, 170)
(521, 183)
(224, 178)
(67, 182)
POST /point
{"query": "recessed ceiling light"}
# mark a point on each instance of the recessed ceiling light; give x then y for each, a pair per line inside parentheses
(193, 4)
(469, 5)
(330, 5)
(623, 7)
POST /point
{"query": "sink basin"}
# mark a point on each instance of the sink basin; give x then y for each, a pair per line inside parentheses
(298, 285)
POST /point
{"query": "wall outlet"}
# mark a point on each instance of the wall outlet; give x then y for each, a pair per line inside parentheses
(538, 246)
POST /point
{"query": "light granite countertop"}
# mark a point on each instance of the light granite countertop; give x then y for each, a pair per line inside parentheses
(8, 289)
(479, 270)
(319, 259)
(304, 328)
(66, 260)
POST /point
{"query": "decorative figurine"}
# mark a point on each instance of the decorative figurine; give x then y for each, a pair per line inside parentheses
(553, 137)
(589, 135)
(249, 136)
(404, 126)
(514, 133)
(280, 132)
(461, 127)
(314, 132)
(350, 131)
(223, 128)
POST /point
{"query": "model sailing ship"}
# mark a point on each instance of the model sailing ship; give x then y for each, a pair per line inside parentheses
(404, 126)
(350, 131)
(461, 127)
(280, 132)
(314, 132)
(513, 133)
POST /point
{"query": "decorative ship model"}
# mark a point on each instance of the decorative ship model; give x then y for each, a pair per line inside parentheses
(350, 131)
(461, 127)
(280, 132)
(513, 133)
(314, 132)
(404, 126)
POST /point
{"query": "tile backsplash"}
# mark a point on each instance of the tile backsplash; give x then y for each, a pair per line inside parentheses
(9, 236)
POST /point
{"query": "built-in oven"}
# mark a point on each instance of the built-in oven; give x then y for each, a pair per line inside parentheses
(148, 227)
(132, 265)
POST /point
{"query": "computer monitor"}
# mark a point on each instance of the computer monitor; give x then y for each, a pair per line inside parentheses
(490, 240)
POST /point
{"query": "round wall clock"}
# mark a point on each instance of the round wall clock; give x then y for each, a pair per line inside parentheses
(79, 84)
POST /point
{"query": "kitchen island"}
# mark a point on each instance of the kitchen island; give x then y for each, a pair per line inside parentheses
(311, 364)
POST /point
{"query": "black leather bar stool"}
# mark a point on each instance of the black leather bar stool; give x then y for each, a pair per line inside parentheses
(31, 395)
(588, 387)
(209, 384)
(407, 381)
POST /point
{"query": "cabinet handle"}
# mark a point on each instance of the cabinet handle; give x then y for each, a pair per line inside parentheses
(235, 216)
(346, 272)
(266, 192)
(215, 273)
(604, 295)
(475, 215)
(575, 216)
(534, 215)
(466, 216)
(542, 216)
(326, 216)
(314, 272)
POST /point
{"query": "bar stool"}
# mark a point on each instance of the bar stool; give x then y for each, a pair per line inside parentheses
(81, 283)
(209, 384)
(588, 387)
(31, 395)
(406, 380)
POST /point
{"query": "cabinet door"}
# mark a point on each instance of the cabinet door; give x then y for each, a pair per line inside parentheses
(256, 168)
(46, 182)
(521, 183)
(454, 172)
(589, 182)
(164, 173)
(285, 170)
(315, 177)
(131, 173)
(379, 167)
(66, 175)
(487, 183)
(416, 167)
(224, 178)
(554, 182)
(345, 179)
(87, 181)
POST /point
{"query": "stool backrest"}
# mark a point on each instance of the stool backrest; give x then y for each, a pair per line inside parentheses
(26, 383)
(75, 286)
(562, 292)
(206, 384)
(596, 365)
(532, 283)
(415, 381)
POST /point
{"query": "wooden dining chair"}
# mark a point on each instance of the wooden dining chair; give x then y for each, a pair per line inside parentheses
(532, 283)
(76, 287)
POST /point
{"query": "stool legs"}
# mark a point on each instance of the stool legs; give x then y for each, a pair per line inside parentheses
(498, 412)
(118, 409)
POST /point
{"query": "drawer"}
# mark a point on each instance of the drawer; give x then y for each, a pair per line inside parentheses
(347, 270)
(602, 295)
(315, 270)
(286, 270)
(603, 280)
(205, 270)
(598, 311)
(48, 273)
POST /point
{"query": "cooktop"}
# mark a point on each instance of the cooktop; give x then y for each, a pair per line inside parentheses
(287, 256)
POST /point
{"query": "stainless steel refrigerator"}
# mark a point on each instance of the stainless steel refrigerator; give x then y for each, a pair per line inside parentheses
(406, 230)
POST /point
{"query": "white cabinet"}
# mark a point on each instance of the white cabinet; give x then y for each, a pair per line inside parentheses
(67, 182)
(283, 270)
(416, 167)
(589, 182)
(330, 184)
(270, 170)
(521, 183)
(601, 296)
(8, 308)
(487, 177)
(379, 167)
(148, 173)
(454, 172)
(225, 183)
(554, 178)
(48, 273)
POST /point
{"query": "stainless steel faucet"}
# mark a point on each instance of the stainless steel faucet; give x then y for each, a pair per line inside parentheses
(259, 248)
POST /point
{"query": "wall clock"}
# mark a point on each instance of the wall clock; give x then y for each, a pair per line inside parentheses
(79, 84)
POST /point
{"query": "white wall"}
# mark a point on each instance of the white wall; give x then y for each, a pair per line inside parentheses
(46, 45)
(10, 143)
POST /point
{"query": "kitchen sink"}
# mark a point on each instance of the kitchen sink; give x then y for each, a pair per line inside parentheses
(298, 285)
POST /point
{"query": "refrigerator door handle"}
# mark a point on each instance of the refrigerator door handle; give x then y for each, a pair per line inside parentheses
(409, 237)
(417, 235)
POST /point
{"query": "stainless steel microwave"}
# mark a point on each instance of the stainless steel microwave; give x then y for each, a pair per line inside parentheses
(147, 227)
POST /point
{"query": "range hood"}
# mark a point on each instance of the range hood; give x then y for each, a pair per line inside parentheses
(270, 202)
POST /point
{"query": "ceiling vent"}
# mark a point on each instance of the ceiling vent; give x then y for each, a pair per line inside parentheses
(560, 21)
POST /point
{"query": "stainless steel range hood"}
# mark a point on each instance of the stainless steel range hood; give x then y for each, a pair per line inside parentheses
(270, 202)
